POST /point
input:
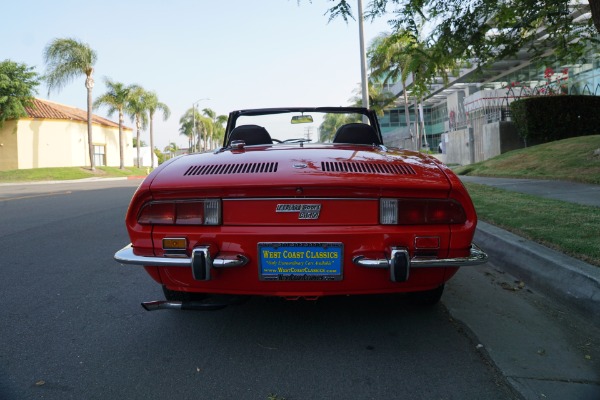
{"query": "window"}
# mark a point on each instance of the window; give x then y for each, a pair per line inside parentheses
(99, 155)
(394, 117)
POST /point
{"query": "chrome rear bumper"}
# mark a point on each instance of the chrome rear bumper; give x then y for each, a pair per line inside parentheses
(400, 264)
(201, 261)
(476, 257)
(126, 256)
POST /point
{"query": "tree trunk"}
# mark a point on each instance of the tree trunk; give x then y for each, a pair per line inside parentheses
(205, 138)
(595, 9)
(422, 122)
(121, 152)
(417, 128)
(151, 141)
(89, 85)
(407, 113)
(199, 141)
(138, 124)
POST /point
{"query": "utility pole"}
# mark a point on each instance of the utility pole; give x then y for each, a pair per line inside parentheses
(363, 58)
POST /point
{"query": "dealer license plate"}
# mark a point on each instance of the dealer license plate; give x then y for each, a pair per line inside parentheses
(300, 261)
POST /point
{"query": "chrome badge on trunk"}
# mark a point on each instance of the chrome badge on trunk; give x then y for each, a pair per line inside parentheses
(305, 211)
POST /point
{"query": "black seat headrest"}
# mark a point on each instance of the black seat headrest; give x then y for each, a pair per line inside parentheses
(250, 134)
(357, 133)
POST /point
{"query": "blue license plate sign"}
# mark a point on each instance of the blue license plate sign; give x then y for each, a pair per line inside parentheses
(300, 261)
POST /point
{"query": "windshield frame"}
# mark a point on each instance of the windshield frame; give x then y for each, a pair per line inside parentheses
(368, 114)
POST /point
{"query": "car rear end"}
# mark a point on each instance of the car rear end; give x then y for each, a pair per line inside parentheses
(302, 222)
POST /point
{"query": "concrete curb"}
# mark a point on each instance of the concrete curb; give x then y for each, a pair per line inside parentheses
(542, 268)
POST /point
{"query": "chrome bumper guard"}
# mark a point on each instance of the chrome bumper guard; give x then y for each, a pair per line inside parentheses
(400, 264)
(200, 262)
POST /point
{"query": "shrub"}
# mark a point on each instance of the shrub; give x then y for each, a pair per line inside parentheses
(542, 119)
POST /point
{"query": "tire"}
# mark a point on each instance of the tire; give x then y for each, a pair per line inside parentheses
(427, 297)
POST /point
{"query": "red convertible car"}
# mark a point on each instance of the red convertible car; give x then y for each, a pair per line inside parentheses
(300, 203)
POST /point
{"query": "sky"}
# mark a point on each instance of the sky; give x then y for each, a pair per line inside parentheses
(223, 55)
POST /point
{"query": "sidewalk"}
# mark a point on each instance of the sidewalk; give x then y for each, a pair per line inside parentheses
(580, 193)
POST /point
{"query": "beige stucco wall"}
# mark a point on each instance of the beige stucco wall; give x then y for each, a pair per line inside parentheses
(49, 143)
(41, 143)
(8, 146)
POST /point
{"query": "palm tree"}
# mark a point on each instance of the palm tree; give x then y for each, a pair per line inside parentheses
(210, 114)
(171, 149)
(115, 99)
(137, 108)
(400, 55)
(379, 98)
(205, 131)
(220, 128)
(186, 126)
(65, 60)
(154, 105)
(217, 131)
(330, 125)
(390, 59)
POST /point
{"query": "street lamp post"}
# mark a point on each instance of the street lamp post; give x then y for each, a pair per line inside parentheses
(194, 129)
(363, 58)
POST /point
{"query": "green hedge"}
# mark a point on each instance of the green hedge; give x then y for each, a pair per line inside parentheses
(543, 119)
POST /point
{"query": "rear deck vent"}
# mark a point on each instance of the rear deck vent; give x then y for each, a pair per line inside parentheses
(367, 168)
(230, 169)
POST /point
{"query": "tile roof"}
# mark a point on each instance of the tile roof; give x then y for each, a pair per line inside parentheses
(49, 110)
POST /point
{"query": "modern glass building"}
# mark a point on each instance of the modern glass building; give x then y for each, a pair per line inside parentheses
(477, 97)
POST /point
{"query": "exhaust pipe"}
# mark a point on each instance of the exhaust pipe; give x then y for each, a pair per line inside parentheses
(209, 304)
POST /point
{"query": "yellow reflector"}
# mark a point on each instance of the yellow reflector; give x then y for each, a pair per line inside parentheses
(174, 243)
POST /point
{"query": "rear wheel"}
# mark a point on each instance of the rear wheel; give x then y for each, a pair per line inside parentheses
(428, 297)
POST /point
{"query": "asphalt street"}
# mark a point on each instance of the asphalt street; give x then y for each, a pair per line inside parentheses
(72, 327)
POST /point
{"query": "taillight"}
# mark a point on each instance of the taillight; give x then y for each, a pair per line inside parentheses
(421, 212)
(184, 212)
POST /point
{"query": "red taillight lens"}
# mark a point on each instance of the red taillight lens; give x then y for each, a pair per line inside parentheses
(422, 211)
(445, 212)
(157, 213)
(192, 212)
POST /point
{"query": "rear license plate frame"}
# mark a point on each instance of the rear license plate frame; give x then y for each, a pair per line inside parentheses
(301, 261)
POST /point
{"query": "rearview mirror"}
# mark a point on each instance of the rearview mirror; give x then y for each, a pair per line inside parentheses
(302, 119)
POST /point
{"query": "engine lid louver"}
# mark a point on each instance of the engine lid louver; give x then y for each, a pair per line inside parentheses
(228, 169)
(367, 167)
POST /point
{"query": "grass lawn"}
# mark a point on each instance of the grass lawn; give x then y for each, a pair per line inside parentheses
(60, 174)
(569, 159)
(569, 228)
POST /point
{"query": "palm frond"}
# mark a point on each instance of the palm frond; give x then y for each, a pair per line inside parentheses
(67, 59)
